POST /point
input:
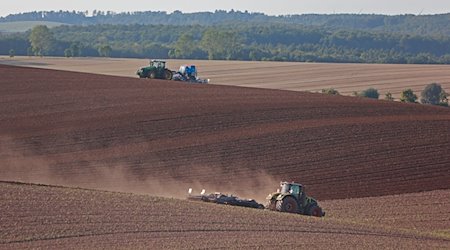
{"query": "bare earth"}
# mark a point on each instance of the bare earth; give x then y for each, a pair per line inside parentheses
(273, 75)
(59, 218)
(387, 162)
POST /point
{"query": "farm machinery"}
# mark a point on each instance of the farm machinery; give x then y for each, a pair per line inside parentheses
(157, 70)
(188, 73)
(220, 198)
(293, 199)
(290, 199)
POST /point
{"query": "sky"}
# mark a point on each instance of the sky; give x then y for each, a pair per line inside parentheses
(271, 7)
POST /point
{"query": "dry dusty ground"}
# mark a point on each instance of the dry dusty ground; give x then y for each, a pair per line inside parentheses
(273, 75)
(160, 138)
(59, 218)
(84, 129)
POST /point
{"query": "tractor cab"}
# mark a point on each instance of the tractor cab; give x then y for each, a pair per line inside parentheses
(293, 188)
(158, 64)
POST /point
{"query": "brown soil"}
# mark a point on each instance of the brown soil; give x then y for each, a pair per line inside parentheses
(146, 136)
(160, 138)
(60, 218)
(424, 212)
(345, 77)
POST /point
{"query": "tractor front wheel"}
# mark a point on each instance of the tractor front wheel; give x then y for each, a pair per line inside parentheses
(271, 204)
(287, 204)
(152, 75)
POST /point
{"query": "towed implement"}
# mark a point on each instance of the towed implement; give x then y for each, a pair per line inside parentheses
(220, 198)
(188, 73)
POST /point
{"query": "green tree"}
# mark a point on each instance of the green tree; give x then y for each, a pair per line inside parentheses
(68, 52)
(76, 49)
(29, 51)
(185, 46)
(41, 40)
(330, 91)
(221, 44)
(104, 50)
(370, 93)
(433, 94)
(388, 97)
(408, 95)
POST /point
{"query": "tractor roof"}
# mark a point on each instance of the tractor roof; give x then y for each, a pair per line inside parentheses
(291, 183)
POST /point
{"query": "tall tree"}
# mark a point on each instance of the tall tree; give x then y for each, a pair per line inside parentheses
(185, 46)
(434, 94)
(104, 50)
(221, 44)
(408, 95)
(41, 39)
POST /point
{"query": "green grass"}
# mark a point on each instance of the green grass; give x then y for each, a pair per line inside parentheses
(22, 26)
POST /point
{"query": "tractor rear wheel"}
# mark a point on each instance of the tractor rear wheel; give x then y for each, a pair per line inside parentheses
(168, 74)
(287, 204)
(315, 211)
(152, 75)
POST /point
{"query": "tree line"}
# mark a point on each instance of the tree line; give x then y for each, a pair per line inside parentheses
(432, 94)
(275, 42)
(432, 25)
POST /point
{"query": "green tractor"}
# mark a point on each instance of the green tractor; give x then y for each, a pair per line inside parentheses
(292, 199)
(156, 70)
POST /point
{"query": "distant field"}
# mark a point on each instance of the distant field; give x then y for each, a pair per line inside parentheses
(22, 26)
(273, 75)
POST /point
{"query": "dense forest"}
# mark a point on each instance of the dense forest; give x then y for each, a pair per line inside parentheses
(434, 25)
(229, 37)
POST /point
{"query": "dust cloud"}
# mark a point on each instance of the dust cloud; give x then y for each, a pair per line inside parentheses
(29, 168)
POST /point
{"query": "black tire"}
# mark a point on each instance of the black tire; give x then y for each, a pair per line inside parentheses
(315, 211)
(168, 74)
(152, 75)
(288, 204)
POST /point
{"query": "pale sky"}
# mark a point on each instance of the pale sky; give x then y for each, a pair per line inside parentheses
(272, 7)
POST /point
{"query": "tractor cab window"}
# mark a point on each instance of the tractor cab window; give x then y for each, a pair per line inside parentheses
(158, 64)
(295, 190)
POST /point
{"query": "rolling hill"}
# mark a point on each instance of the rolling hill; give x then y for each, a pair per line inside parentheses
(138, 135)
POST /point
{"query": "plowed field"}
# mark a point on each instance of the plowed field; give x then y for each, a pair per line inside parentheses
(60, 218)
(159, 138)
(345, 77)
(146, 136)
